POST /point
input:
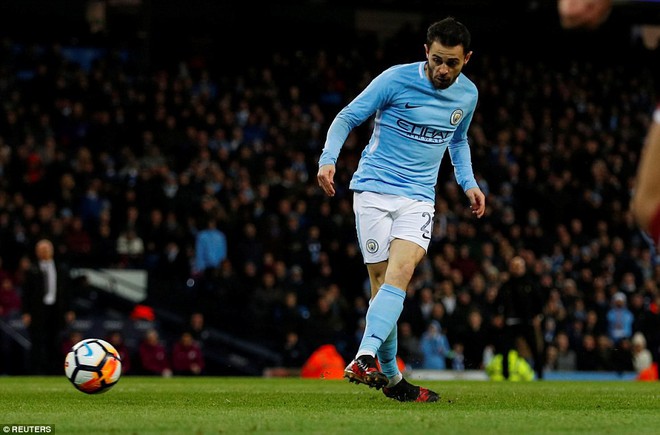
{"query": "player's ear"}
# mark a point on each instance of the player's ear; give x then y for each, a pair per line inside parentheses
(426, 50)
(467, 57)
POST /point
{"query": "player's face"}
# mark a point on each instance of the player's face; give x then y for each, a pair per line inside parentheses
(444, 63)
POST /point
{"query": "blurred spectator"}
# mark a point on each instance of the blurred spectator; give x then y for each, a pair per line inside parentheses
(116, 339)
(210, 248)
(266, 297)
(46, 308)
(10, 300)
(619, 319)
(604, 353)
(435, 347)
(173, 265)
(566, 357)
(521, 304)
(249, 247)
(187, 356)
(621, 358)
(326, 323)
(474, 341)
(289, 315)
(425, 303)
(4, 273)
(457, 357)
(197, 328)
(130, 249)
(641, 356)
(295, 353)
(457, 323)
(587, 356)
(594, 323)
(78, 241)
(104, 247)
(154, 237)
(68, 341)
(154, 356)
(409, 346)
(550, 361)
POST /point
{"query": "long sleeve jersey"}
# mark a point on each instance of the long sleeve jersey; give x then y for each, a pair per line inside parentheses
(414, 125)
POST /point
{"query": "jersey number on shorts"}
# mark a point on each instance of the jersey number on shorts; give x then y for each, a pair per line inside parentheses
(426, 228)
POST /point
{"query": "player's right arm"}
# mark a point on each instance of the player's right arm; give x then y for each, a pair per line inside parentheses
(373, 97)
(326, 178)
(337, 133)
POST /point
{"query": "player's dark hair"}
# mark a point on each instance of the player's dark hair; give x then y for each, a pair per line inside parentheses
(450, 33)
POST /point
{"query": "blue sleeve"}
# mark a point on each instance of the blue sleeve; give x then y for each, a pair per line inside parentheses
(629, 324)
(426, 345)
(222, 248)
(200, 254)
(337, 133)
(372, 98)
(443, 345)
(461, 159)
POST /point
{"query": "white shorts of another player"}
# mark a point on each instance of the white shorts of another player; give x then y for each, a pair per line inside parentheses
(381, 218)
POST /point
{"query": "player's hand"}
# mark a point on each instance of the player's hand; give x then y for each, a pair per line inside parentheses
(325, 178)
(477, 201)
(27, 319)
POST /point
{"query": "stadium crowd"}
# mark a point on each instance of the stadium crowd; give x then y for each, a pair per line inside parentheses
(123, 170)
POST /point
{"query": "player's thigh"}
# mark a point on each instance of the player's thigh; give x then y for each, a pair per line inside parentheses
(404, 257)
(411, 232)
(373, 221)
(414, 222)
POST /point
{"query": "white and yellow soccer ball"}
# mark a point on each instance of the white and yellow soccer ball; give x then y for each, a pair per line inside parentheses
(93, 366)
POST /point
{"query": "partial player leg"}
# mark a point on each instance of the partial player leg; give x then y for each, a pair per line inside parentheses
(382, 315)
(404, 391)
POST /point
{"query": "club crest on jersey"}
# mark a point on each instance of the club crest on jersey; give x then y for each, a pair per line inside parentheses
(456, 116)
(372, 246)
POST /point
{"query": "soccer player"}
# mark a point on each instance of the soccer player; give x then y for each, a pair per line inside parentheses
(422, 109)
(645, 202)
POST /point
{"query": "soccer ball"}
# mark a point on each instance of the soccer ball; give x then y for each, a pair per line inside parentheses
(93, 366)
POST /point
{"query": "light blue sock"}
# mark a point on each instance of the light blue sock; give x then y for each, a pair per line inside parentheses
(382, 315)
(387, 355)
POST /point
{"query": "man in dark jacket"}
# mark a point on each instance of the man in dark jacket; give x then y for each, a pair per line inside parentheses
(46, 306)
(521, 303)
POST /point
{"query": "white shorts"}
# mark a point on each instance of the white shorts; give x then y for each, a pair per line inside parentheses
(381, 218)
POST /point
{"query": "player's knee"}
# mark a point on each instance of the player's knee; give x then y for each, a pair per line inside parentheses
(400, 274)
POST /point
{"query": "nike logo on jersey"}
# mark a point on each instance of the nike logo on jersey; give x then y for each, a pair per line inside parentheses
(411, 106)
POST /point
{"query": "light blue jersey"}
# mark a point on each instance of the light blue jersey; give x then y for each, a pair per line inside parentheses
(414, 125)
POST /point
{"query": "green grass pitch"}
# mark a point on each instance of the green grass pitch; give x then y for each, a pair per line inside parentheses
(227, 405)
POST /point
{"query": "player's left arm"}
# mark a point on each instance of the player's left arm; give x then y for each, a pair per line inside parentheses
(461, 159)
